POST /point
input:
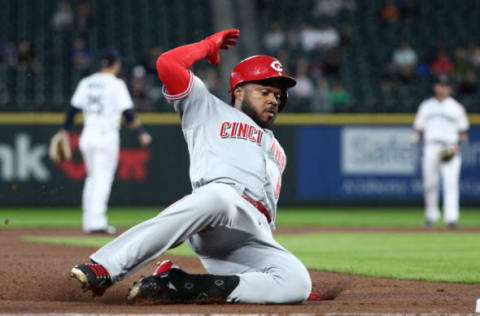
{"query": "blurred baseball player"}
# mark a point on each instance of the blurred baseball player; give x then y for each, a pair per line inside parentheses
(443, 123)
(102, 98)
(228, 219)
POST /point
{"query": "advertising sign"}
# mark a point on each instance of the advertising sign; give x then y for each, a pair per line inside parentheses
(155, 175)
(374, 163)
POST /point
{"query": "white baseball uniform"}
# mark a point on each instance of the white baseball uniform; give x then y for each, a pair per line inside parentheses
(102, 97)
(441, 124)
(228, 220)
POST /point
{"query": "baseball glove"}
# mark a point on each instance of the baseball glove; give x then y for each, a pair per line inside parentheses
(59, 149)
(447, 154)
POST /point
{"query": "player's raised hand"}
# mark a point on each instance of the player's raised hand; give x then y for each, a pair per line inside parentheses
(220, 40)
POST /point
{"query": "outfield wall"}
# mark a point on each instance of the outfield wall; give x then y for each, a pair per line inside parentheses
(331, 159)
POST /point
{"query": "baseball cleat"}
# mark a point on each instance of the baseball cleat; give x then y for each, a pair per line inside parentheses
(92, 277)
(155, 288)
(169, 284)
(452, 225)
(428, 223)
(109, 230)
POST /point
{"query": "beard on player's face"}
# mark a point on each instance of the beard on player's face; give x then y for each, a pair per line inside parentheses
(261, 102)
(248, 108)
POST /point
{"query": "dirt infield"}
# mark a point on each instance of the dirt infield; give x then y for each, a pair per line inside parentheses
(34, 279)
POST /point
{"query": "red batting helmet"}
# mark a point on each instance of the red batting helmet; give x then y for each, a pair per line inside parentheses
(258, 68)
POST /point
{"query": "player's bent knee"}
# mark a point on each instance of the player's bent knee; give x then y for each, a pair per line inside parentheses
(302, 288)
(294, 290)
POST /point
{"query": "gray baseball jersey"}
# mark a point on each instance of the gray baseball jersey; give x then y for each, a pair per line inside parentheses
(231, 157)
(226, 145)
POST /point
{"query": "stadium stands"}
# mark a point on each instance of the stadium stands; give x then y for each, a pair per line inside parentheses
(42, 59)
(134, 27)
(366, 56)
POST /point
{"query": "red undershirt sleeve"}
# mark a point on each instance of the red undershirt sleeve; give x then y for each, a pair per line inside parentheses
(173, 66)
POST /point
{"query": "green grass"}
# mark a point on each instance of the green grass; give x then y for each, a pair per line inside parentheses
(70, 217)
(287, 216)
(445, 257)
(450, 257)
(366, 217)
(417, 256)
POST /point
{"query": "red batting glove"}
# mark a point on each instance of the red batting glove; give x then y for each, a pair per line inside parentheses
(220, 40)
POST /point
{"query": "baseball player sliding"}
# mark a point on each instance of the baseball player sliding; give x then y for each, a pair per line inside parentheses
(228, 219)
(102, 98)
(443, 123)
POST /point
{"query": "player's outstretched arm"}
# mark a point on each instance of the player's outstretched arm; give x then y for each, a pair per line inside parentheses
(173, 65)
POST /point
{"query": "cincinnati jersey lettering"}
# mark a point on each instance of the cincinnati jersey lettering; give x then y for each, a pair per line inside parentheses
(241, 131)
(279, 156)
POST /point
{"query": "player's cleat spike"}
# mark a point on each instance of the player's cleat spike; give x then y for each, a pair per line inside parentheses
(93, 277)
(155, 288)
(152, 289)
